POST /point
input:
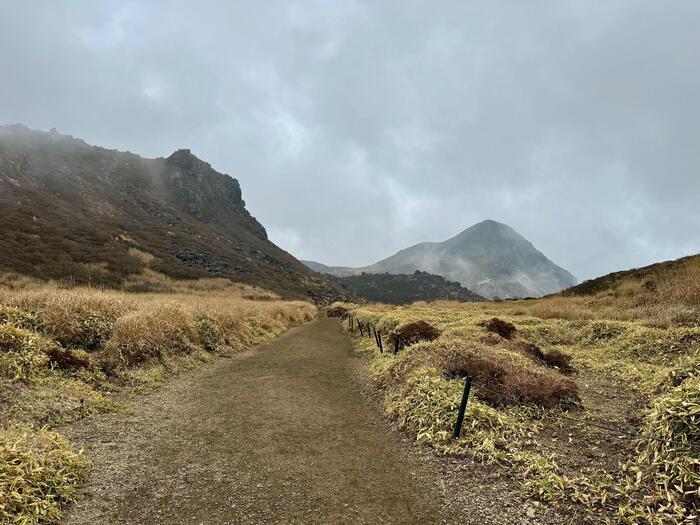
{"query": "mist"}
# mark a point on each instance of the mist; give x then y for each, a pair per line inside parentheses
(359, 128)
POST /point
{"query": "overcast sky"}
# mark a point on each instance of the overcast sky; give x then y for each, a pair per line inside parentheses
(360, 128)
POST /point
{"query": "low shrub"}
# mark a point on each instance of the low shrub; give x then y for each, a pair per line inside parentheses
(500, 327)
(68, 359)
(20, 318)
(39, 473)
(210, 333)
(501, 380)
(152, 333)
(411, 333)
(559, 360)
(670, 454)
(553, 359)
(22, 352)
(530, 350)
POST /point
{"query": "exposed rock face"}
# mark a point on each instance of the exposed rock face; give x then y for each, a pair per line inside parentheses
(73, 211)
(490, 258)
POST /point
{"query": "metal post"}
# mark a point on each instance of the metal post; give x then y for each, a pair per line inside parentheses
(360, 325)
(379, 340)
(396, 344)
(462, 407)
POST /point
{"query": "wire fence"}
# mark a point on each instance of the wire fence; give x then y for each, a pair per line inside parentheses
(368, 330)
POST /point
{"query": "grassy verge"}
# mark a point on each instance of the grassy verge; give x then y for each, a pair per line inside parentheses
(599, 414)
(69, 353)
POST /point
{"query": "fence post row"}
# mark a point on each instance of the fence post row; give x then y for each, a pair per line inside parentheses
(462, 407)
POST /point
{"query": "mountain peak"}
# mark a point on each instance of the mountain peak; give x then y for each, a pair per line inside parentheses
(490, 258)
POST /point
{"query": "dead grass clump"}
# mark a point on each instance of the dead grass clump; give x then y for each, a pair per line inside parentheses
(411, 333)
(500, 327)
(74, 318)
(559, 360)
(500, 380)
(22, 352)
(530, 350)
(554, 358)
(68, 359)
(151, 333)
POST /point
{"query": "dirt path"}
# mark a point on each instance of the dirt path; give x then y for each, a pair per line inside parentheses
(278, 434)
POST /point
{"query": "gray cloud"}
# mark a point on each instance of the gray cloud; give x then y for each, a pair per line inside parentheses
(358, 128)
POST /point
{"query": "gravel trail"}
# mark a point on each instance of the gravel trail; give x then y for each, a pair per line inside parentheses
(281, 433)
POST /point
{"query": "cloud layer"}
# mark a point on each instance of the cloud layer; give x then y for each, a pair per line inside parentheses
(359, 128)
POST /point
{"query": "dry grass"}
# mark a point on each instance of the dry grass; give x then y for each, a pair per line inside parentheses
(39, 472)
(561, 352)
(67, 353)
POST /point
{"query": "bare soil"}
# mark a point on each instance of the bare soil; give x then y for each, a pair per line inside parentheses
(282, 433)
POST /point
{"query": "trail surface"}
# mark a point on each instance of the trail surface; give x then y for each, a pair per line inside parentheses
(277, 434)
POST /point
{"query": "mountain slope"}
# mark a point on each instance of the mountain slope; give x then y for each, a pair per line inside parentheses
(489, 258)
(73, 211)
(404, 288)
(681, 273)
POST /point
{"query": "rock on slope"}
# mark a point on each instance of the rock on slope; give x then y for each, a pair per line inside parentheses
(489, 258)
(69, 210)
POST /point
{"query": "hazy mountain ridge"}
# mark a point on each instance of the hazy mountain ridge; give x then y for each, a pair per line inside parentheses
(404, 288)
(74, 211)
(490, 258)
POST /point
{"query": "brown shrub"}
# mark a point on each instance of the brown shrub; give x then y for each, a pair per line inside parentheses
(411, 333)
(501, 381)
(500, 327)
(530, 350)
(67, 359)
(559, 360)
(553, 359)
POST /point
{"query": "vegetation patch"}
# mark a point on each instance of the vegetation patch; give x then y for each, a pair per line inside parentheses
(587, 405)
(500, 327)
(39, 472)
(413, 332)
(69, 353)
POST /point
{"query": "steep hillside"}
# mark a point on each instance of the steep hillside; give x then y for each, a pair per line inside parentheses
(71, 211)
(646, 277)
(404, 288)
(490, 258)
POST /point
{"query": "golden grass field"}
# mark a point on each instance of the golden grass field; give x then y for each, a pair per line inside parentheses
(68, 353)
(616, 439)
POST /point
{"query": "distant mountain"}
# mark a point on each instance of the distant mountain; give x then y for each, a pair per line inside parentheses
(83, 213)
(489, 258)
(404, 289)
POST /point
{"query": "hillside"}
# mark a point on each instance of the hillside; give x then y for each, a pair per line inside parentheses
(489, 258)
(71, 211)
(646, 277)
(404, 288)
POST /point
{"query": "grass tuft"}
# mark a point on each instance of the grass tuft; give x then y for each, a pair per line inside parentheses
(39, 473)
